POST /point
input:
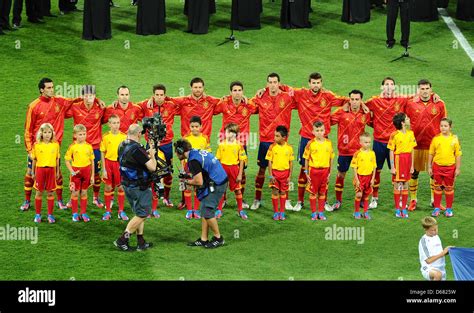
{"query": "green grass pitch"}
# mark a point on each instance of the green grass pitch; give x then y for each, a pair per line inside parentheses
(348, 56)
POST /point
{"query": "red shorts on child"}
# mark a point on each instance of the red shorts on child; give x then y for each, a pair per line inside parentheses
(281, 180)
(364, 184)
(232, 173)
(45, 179)
(82, 180)
(319, 180)
(402, 167)
(444, 175)
(113, 173)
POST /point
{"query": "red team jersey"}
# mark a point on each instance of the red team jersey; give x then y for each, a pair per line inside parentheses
(272, 112)
(350, 126)
(45, 110)
(189, 107)
(424, 120)
(91, 118)
(313, 107)
(383, 110)
(167, 111)
(238, 114)
(128, 116)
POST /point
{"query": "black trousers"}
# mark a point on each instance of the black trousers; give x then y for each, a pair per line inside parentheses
(392, 14)
(246, 14)
(96, 23)
(151, 16)
(465, 10)
(33, 10)
(67, 5)
(5, 8)
(199, 13)
(355, 11)
(295, 14)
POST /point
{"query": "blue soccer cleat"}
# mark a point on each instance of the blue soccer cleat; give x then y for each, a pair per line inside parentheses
(276, 216)
(37, 218)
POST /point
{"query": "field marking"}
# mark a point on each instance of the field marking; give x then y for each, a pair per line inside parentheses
(457, 33)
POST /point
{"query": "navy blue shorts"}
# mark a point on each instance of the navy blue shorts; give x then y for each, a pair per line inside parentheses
(97, 161)
(262, 153)
(168, 152)
(302, 146)
(344, 163)
(30, 162)
(382, 153)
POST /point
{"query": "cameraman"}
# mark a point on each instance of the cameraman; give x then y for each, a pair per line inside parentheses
(208, 175)
(136, 166)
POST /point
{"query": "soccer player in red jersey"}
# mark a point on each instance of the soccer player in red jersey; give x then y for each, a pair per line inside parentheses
(350, 126)
(425, 115)
(89, 113)
(274, 109)
(167, 109)
(47, 108)
(196, 104)
(235, 109)
(128, 112)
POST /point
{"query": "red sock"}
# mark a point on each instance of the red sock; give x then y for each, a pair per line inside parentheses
(366, 204)
(121, 200)
(357, 204)
(108, 199)
(404, 198)
(259, 181)
(38, 203)
(321, 203)
(187, 200)
(282, 202)
(50, 204)
(59, 187)
(339, 187)
(96, 187)
(275, 202)
(449, 198)
(396, 198)
(74, 204)
(168, 181)
(312, 203)
(197, 203)
(375, 193)
(28, 186)
(84, 205)
(238, 198)
(437, 195)
(154, 199)
(302, 180)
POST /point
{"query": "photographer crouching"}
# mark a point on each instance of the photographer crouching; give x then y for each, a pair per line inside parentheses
(136, 168)
(208, 175)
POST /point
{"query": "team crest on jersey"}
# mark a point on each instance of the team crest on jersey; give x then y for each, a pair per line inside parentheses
(282, 104)
(97, 115)
(323, 103)
(132, 116)
(434, 111)
(362, 119)
(396, 106)
(205, 104)
(56, 108)
(165, 113)
(245, 112)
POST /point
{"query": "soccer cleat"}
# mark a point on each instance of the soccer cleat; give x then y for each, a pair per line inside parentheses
(168, 203)
(189, 214)
(197, 215)
(25, 206)
(328, 207)
(373, 203)
(282, 216)
(111, 203)
(243, 215)
(97, 203)
(198, 243)
(245, 205)
(314, 216)
(85, 217)
(449, 212)
(357, 215)
(412, 206)
(107, 216)
(404, 213)
(337, 205)
(398, 213)
(288, 205)
(219, 213)
(156, 214)
(69, 204)
(435, 212)
(441, 207)
(298, 206)
(367, 216)
(321, 216)
(122, 216)
(37, 218)
(215, 243)
(255, 205)
(75, 217)
(122, 245)
(145, 246)
(51, 219)
(61, 205)
(181, 205)
(276, 216)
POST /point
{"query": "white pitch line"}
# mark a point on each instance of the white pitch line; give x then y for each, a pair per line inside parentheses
(457, 33)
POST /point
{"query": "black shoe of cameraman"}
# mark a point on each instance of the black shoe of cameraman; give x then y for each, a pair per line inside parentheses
(198, 243)
(215, 243)
(122, 245)
(145, 246)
